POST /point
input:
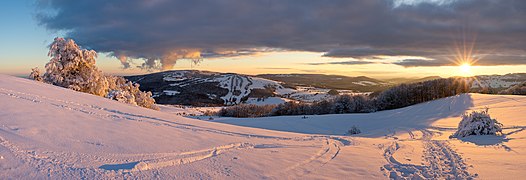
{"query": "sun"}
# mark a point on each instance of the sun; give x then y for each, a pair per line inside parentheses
(465, 68)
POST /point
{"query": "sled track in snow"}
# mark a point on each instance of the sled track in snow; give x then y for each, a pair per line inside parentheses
(441, 162)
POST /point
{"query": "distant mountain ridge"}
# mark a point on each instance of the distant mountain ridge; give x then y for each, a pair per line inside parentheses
(200, 88)
(205, 88)
(359, 83)
(411, 80)
(498, 82)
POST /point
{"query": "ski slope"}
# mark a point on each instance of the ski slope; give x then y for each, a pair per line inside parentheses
(48, 132)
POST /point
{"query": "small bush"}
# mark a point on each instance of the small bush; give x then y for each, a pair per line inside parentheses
(36, 74)
(333, 92)
(353, 130)
(478, 123)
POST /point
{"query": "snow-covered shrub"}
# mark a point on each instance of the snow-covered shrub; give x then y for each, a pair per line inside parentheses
(125, 91)
(74, 68)
(122, 96)
(353, 130)
(35, 74)
(478, 123)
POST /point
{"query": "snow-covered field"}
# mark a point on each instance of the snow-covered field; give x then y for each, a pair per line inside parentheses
(416, 138)
(47, 132)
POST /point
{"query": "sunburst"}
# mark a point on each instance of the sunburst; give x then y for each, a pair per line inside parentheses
(465, 56)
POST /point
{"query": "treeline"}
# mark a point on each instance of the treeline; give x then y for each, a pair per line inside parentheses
(409, 94)
(396, 97)
(519, 89)
(246, 110)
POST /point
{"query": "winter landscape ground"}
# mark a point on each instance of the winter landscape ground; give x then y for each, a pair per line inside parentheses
(48, 132)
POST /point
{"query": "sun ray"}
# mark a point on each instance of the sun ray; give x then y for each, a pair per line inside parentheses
(464, 54)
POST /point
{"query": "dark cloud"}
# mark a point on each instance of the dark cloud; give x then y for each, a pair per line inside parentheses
(344, 63)
(368, 52)
(164, 31)
(423, 62)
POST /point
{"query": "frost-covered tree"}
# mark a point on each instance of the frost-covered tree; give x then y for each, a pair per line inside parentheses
(74, 68)
(478, 123)
(35, 74)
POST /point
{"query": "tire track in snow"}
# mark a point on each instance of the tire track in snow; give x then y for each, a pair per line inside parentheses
(329, 151)
(442, 162)
(167, 160)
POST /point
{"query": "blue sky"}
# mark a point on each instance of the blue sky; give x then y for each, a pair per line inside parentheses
(23, 43)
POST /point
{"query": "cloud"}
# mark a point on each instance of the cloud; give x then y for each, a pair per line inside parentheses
(160, 32)
(423, 62)
(369, 52)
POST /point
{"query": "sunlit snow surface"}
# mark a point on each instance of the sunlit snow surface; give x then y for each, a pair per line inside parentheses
(47, 132)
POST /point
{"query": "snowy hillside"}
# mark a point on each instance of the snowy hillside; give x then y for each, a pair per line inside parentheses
(47, 132)
(418, 136)
(56, 133)
(498, 81)
(202, 88)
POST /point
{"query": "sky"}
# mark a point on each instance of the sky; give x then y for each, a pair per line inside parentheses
(375, 38)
